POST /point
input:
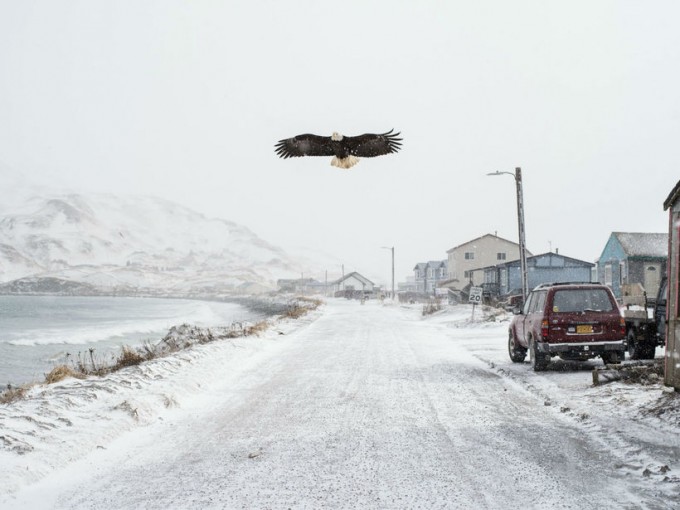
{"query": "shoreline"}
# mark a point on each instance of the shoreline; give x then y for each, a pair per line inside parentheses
(29, 363)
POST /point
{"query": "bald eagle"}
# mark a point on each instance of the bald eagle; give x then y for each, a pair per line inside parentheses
(346, 150)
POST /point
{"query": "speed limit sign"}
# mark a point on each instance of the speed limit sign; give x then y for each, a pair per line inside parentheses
(475, 295)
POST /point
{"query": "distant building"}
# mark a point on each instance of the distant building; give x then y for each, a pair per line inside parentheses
(545, 268)
(465, 260)
(352, 282)
(427, 275)
(632, 257)
(409, 285)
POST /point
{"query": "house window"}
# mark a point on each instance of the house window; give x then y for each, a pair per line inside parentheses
(623, 275)
(500, 256)
(430, 273)
(608, 274)
(467, 274)
(469, 255)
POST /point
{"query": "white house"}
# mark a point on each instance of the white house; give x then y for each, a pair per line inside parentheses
(487, 250)
(352, 282)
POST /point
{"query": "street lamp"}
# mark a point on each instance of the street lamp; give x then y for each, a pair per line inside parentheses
(520, 221)
(391, 248)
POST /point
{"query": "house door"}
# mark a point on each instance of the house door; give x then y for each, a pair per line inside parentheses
(652, 279)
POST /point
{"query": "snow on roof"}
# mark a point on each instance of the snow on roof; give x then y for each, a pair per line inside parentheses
(643, 244)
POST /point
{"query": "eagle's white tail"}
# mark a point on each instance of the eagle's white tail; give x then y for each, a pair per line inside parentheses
(345, 163)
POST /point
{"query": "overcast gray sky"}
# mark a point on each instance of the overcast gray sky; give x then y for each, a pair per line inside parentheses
(185, 100)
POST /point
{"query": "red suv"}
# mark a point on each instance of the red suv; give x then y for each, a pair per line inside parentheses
(575, 321)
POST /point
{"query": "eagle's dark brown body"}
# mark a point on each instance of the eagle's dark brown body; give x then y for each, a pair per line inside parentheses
(346, 150)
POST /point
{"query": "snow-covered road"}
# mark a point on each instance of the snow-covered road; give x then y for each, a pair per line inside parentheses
(371, 406)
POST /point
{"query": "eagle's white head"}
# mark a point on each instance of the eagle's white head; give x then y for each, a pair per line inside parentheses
(336, 137)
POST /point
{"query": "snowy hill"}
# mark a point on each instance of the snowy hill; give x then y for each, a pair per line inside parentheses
(134, 244)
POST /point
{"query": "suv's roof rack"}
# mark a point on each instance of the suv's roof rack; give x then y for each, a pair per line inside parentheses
(553, 284)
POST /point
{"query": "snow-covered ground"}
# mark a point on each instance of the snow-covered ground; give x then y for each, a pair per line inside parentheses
(352, 406)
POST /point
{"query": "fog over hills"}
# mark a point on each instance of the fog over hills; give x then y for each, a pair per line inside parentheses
(134, 244)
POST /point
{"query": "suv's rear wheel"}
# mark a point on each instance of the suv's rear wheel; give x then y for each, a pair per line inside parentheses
(539, 361)
(516, 351)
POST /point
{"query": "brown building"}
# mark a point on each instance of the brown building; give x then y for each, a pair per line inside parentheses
(672, 368)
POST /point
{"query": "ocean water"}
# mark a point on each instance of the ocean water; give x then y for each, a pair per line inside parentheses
(39, 332)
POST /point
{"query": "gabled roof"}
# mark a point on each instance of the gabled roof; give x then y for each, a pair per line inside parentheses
(421, 266)
(356, 275)
(438, 263)
(482, 237)
(672, 197)
(642, 244)
(559, 255)
(535, 257)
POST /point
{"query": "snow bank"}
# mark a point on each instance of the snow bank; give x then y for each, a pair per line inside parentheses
(60, 423)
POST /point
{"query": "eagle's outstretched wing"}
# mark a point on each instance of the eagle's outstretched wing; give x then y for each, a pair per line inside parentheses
(304, 145)
(370, 145)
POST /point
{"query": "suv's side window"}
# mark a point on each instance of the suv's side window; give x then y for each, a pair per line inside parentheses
(538, 303)
(527, 304)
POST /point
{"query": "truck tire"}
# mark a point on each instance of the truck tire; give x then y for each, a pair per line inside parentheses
(539, 361)
(648, 352)
(634, 348)
(637, 349)
(516, 351)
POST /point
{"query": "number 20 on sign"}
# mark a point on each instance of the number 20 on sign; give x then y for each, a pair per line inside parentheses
(475, 298)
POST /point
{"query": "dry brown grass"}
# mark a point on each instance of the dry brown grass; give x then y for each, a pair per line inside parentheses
(301, 306)
(128, 357)
(256, 329)
(13, 394)
(61, 372)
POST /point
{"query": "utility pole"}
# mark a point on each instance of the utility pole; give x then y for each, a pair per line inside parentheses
(392, 249)
(522, 238)
(520, 227)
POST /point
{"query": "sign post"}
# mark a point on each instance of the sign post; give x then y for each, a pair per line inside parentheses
(475, 298)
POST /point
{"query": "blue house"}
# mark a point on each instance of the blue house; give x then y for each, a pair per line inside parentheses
(544, 268)
(633, 257)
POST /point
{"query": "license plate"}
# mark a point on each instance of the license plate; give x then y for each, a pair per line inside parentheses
(584, 328)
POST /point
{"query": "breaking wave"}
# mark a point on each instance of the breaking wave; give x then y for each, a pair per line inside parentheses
(135, 320)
